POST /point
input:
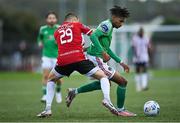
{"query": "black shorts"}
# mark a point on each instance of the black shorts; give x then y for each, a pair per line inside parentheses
(83, 67)
(141, 67)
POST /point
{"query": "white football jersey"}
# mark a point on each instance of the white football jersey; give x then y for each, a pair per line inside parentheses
(141, 45)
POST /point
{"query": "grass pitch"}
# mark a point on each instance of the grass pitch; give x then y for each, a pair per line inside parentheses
(20, 95)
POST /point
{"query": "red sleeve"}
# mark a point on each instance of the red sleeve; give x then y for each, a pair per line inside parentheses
(85, 29)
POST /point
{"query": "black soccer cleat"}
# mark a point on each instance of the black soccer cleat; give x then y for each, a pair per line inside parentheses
(71, 95)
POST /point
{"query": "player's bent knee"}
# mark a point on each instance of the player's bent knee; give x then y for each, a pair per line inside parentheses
(102, 74)
(45, 77)
(52, 77)
(99, 74)
(60, 81)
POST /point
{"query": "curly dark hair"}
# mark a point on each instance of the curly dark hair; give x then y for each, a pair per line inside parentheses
(119, 12)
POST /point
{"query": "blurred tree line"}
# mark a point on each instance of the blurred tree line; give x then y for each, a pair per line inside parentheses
(22, 18)
(19, 32)
(18, 25)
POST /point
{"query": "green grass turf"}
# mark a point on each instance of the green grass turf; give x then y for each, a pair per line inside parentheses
(20, 95)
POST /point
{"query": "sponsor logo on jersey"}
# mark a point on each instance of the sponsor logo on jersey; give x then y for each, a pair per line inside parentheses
(104, 28)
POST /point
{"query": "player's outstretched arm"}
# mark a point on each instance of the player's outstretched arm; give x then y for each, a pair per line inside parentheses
(113, 55)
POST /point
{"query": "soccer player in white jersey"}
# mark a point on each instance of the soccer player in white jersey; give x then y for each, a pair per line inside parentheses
(141, 47)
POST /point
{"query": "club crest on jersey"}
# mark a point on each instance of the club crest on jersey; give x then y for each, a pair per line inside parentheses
(104, 28)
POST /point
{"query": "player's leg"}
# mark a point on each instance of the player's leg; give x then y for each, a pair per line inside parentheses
(121, 94)
(96, 85)
(49, 96)
(90, 86)
(72, 92)
(58, 91)
(144, 76)
(115, 77)
(97, 73)
(121, 89)
(105, 87)
(58, 83)
(87, 67)
(58, 86)
(46, 70)
(52, 78)
(104, 82)
(44, 82)
(138, 77)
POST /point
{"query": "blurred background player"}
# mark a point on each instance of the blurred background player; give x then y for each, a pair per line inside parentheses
(49, 47)
(103, 35)
(71, 58)
(141, 47)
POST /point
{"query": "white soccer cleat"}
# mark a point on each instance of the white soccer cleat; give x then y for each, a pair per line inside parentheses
(110, 106)
(58, 97)
(45, 113)
(43, 99)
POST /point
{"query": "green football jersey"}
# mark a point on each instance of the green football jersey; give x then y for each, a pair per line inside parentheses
(101, 39)
(46, 37)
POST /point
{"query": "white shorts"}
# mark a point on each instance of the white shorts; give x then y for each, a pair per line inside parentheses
(48, 63)
(109, 71)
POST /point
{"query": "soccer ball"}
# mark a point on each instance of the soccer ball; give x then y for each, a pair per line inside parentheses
(151, 108)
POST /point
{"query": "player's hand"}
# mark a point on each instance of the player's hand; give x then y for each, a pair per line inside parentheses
(105, 56)
(126, 67)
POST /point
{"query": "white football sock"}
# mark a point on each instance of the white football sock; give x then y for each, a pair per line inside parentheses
(105, 87)
(50, 94)
(138, 82)
(144, 80)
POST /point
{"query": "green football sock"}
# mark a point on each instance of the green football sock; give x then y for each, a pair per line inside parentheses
(121, 92)
(89, 87)
(44, 89)
(58, 87)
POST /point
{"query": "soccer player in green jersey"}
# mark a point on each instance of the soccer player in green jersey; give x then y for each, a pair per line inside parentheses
(103, 35)
(49, 52)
